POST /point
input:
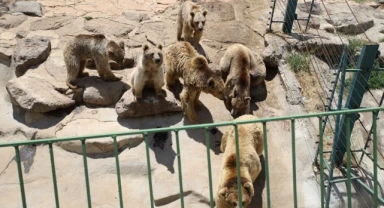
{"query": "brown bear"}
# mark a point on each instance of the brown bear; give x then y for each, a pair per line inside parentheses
(149, 71)
(96, 47)
(251, 147)
(190, 21)
(235, 66)
(182, 60)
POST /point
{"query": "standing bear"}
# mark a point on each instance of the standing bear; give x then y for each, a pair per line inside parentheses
(250, 147)
(190, 21)
(96, 47)
(240, 70)
(149, 71)
(182, 60)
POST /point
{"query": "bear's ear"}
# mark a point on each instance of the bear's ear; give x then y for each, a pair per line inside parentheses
(211, 83)
(205, 13)
(247, 98)
(249, 188)
(223, 192)
(160, 46)
(192, 14)
(121, 44)
(145, 47)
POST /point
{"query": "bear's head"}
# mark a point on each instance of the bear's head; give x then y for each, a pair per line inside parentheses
(116, 52)
(209, 80)
(152, 56)
(239, 102)
(198, 18)
(229, 193)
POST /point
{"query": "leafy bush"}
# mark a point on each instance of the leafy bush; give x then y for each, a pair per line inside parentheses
(298, 62)
(355, 44)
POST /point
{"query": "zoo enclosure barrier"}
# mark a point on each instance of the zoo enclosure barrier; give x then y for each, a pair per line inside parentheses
(207, 127)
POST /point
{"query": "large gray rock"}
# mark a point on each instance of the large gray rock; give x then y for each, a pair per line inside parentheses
(219, 11)
(6, 50)
(259, 73)
(136, 16)
(33, 93)
(294, 96)
(27, 7)
(150, 105)
(232, 32)
(305, 7)
(346, 23)
(100, 93)
(11, 20)
(29, 52)
(51, 23)
(275, 48)
(106, 26)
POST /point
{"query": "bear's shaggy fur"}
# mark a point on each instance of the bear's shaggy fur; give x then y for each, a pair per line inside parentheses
(251, 147)
(235, 66)
(191, 21)
(96, 47)
(149, 71)
(182, 60)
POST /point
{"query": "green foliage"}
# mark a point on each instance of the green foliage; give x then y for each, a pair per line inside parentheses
(381, 40)
(88, 18)
(299, 62)
(355, 44)
(375, 81)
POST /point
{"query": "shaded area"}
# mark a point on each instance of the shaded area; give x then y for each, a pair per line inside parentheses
(259, 185)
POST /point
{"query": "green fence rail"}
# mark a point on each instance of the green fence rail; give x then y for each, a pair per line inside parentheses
(207, 128)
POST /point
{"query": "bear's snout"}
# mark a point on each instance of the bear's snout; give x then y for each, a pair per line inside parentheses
(157, 60)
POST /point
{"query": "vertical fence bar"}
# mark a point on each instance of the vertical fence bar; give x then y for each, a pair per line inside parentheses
(116, 152)
(239, 185)
(266, 164)
(86, 172)
(321, 150)
(375, 183)
(348, 131)
(294, 162)
(149, 168)
(179, 168)
(273, 12)
(20, 172)
(208, 145)
(54, 175)
(290, 16)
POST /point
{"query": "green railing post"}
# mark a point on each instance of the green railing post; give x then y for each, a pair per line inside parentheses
(54, 175)
(355, 97)
(239, 185)
(266, 164)
(294, 162)
(375, 182)
(348, 138)
(116, 152)
(208, 145)
(290, 16)
(86, 172)
(321, 148)
(149, 168)
(179, 168)
(21, 180)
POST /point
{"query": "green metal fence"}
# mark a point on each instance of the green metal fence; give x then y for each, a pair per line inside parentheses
(207, 128)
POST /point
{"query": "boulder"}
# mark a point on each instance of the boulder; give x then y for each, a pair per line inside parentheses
(219, 11)
(11, 20)
(275, 48)
(150, 105)
(346, 23)
(259, 73)
(292, 86)
(100, 93)
(6, 50)
(136, 16)
(305, 7)
(27, 7)
(29, 52)
(106, 26)
(22, 34)
(224, 32)
(51, 23)
(33, 93)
